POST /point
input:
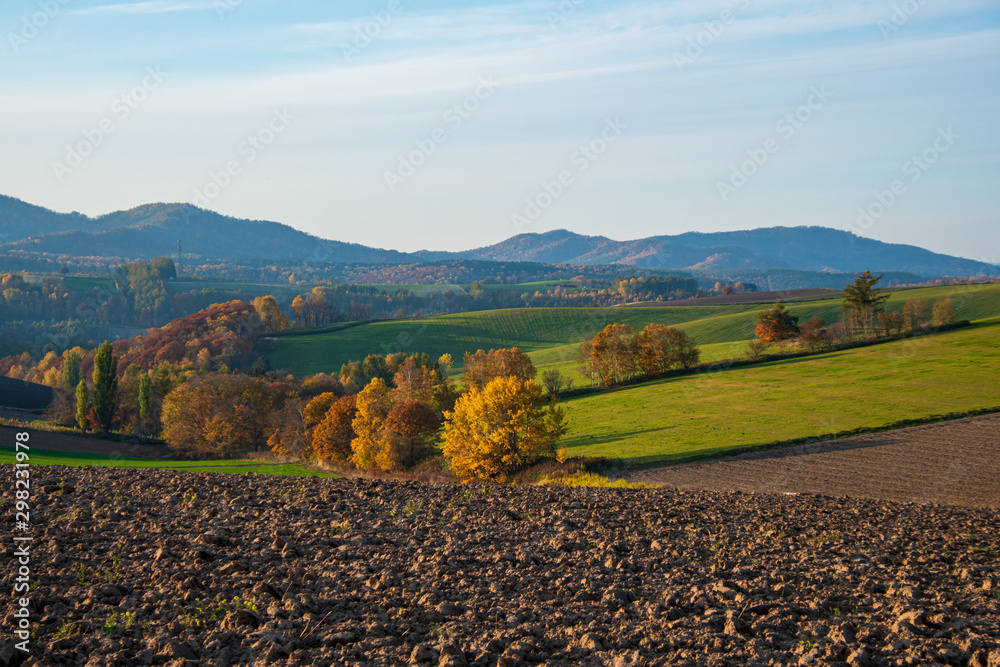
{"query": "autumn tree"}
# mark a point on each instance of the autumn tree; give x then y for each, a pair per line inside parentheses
(497, 430)
(661, 348)
(812, 334)
(889, 322)
(481, 368)
(316, 409)
(271, 315)
(943, 312)
(776, 324)
(320, 383)
(105, 378)
(862, 300)
(444, 365)
(612, 355)
(373, 403)
(407, 435)
(312, 309)
(220, 415)
(413, 383)
(332, 437)
(914, 314)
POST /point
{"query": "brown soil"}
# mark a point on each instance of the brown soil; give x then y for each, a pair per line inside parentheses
(139, 567)
(67, 442)
(956, 462)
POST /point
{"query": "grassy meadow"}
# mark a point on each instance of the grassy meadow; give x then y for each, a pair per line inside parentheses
(664, 421)
(43, 457)
(551, 336)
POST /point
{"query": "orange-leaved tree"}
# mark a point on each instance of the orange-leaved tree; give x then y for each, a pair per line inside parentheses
(407, 434)
(331, 439)
(662, 348)
(776, 324)
(613, 354)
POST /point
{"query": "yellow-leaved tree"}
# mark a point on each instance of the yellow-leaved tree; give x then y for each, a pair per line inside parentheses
(373, 405)
(499, 429)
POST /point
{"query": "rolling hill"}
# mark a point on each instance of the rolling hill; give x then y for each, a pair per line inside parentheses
(155, 229)
(552, 336)
(804, 248)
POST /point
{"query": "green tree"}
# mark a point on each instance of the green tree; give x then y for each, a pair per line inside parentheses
(72, 370)
(164, 267)
(105, 385)
(862, 300)
(82, 405)
(145, 391)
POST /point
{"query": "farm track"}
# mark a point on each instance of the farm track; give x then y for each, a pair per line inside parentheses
(955, 462)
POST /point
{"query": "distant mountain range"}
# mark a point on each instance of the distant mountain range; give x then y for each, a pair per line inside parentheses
(154, 230)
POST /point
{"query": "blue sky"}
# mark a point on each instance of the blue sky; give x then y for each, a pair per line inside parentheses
(440, 125)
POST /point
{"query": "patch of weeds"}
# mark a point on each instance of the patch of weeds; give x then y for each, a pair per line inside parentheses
(72, 515)
(341, 528)
(207, 613)
(84, 577)
(413, 505)
(87, 576)
(591, 479)
(807, 644)
(296, 495)
(188, 497)
(68, 630)
(222, 540)
(835, 612)
(119, 622)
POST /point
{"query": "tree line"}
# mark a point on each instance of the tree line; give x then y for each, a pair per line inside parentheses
(865, 317)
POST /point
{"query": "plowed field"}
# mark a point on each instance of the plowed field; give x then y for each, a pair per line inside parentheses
(954, 462)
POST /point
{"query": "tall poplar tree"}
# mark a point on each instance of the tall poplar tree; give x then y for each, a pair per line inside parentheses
(105, 385)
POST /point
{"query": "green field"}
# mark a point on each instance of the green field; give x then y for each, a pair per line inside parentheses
(42, 458)
(552, 335)
(706, 414)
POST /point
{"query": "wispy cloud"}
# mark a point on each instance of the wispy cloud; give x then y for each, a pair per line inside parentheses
(148, 7)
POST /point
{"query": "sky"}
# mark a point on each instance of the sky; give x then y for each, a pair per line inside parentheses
(448, 126)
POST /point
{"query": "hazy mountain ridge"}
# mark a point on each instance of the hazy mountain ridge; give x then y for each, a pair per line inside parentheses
(154, 230)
